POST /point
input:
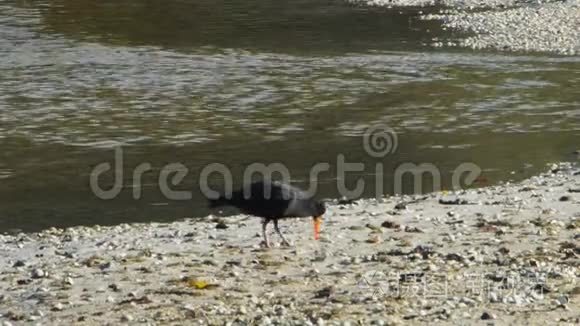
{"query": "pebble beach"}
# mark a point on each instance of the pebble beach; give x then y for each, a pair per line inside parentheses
(503, 25)
(505, 254)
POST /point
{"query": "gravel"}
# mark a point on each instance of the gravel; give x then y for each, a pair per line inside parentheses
(550, 27)
(504, 25)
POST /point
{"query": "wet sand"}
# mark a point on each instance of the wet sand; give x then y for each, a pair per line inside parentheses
(505, 254)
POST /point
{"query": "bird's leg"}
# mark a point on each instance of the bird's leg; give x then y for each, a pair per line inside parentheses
(264, 233)
(284, 242)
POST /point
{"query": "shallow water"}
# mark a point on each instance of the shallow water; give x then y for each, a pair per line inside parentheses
(238, 82)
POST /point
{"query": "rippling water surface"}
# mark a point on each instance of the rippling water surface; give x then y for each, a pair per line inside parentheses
(238, 82)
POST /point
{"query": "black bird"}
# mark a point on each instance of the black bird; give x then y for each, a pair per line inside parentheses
(273, 200)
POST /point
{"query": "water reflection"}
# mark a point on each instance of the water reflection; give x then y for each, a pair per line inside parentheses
(303, 26)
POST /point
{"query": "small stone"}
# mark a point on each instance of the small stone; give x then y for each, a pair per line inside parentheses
(19, 263)
(114, 287)
(325, 292)
(345, 201)
(58, 307)
(69, 281)
(468, 301)
(280, 310)
(210, 262)
(401, 206)
(493, 297)
(127, 318)
(390, 225)
(413, 229)
(221, 225)
(424, 251)
(562, 300)
(38, 273)
(487, 316)
(105, 266)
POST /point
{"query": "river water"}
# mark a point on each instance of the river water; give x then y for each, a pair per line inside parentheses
(238, 82)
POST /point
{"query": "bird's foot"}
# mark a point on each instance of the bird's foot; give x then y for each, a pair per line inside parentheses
(265, 244)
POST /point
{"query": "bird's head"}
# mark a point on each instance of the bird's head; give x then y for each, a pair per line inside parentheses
(319, 208)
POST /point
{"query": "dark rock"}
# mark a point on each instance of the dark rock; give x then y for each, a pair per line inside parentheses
(456, 201)
(221, 225)
(325, 292)
(393, 252)
(114, 287)
(401, 206)
(19, 263)
(487, 316)
(209, 262)
(453, 256)
(235, 262)
(424, 251)
(390, 225)
(345, 201)
(542, 288)
(24, 281)
(503, 250)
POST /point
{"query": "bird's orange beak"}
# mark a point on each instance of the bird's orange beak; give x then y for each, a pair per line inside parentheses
(317, 223)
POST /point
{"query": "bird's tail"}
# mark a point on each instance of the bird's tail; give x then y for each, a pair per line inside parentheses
(218, 202)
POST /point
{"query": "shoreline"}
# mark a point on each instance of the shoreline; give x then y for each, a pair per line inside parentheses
(506, 254)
